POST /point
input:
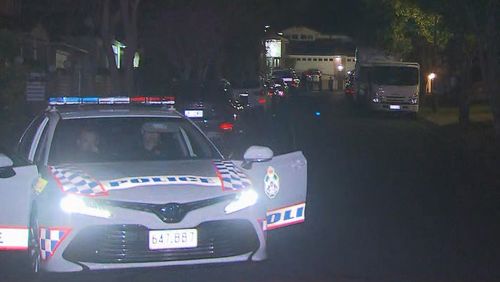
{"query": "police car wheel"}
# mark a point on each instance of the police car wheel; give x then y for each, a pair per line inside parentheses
(33, 247)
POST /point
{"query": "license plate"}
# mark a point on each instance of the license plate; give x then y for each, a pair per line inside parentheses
(287, 79)
(395, 107)
(173, 239)
(193, 113)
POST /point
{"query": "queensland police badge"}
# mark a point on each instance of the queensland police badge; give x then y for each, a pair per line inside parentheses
(271, 183)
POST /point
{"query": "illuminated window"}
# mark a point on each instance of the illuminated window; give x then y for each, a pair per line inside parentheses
(137, 60)
(273, 48)
(118, 50)
(61, 57)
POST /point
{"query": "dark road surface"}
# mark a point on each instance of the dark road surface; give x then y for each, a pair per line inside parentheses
(384, 204)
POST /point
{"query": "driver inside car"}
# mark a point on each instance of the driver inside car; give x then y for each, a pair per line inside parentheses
(87, 144)
(152, 146)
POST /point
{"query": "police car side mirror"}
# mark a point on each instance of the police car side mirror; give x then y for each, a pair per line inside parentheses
(5, 161)
(256, 154)
(6, 170)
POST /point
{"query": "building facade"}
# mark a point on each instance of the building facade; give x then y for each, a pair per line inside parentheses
(332, 54)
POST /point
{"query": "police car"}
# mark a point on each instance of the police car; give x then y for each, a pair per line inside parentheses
(118, 182)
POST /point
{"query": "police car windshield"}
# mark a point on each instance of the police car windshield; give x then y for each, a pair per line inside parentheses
(113, 139)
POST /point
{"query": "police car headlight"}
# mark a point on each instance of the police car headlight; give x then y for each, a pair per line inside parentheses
(245, 199)
(79, 205)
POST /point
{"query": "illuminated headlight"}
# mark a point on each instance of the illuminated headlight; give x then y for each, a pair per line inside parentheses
(376, 100)
(75, 204)
(245, 199)
(414, 99)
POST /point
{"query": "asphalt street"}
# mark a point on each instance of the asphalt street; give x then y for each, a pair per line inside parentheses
(383, 205)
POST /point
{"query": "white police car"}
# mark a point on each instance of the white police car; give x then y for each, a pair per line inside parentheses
(100, 183)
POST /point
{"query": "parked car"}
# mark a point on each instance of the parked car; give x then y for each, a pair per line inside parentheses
(312, 75)
(214, 111)
(251, 94)
(350, 88)
(277, 87)
(288, 76)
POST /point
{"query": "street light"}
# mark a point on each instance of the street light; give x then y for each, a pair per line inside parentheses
(430, 93)
(430, 77)
(340, 67)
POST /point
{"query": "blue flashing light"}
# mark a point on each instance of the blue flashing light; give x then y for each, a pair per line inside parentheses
(90, 100)
(147, 100)
(64, 100)
(317, 113)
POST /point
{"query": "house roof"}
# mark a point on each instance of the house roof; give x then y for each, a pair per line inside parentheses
(321, 47)
(272, 35)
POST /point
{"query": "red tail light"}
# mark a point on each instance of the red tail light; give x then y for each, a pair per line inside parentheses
(226, 126)
(270, 93)
(262, 100)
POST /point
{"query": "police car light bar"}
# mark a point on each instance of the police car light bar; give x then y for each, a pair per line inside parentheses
(146, 100)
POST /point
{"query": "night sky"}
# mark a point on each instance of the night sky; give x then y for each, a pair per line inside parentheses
(342, 17)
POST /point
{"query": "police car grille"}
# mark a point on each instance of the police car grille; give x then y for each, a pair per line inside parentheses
(129, 243)
(181, 209)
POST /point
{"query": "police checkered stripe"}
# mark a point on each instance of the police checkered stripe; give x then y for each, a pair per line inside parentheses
(232, 177)
(49, 238)
(73, 180)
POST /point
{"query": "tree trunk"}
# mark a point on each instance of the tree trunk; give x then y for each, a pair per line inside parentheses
(129, 19)
(107, 35)
(463, 96)
(113, 71)
(488, 56)
(493, 67)
(490, 72)
(186, 72)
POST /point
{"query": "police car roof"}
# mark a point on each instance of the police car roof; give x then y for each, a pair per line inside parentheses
(94, 111)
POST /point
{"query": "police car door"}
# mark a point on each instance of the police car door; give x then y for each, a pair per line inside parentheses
(17, 177)
(281, 183)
